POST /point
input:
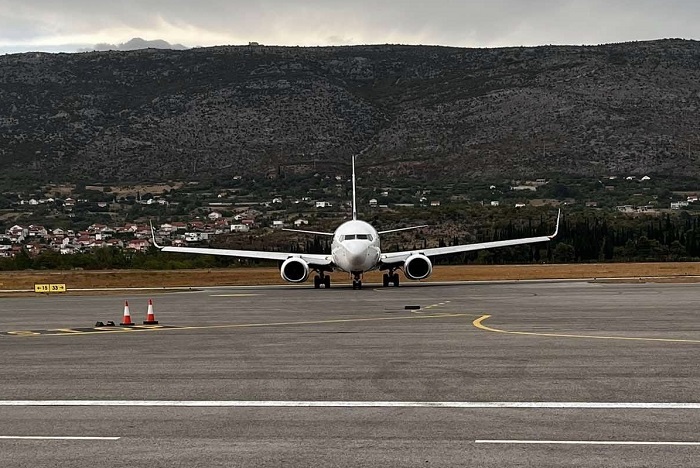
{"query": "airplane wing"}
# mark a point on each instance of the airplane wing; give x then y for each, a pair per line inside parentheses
(311, 259)
(398, 257)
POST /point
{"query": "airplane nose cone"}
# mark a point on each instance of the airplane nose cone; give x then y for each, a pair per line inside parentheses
(356, 254)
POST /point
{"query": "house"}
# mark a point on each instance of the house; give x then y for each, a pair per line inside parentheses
(214, 215)
(139, 245)
(625, 209)
(645, 178)
(196, 236)
(68, 250)
(323, 204)
(679, 205)
(373, 202)
(17, 233)
(495, 203)
(166, 228)
(300, 222)
(5, 251)
(115, 243)
(520, 205)
(277, 200)
(435, 203)
(239, 228)
(37, 231)
(277, 224)
(692, 198)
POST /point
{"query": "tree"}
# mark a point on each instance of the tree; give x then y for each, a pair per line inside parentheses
(564, 253)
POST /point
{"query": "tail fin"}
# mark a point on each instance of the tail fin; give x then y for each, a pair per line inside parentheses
(354, 199)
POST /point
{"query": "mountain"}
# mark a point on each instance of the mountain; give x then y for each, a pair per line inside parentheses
(136, 44)
(447, 112)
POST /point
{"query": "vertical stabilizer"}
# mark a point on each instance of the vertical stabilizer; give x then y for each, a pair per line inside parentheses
(354, 199)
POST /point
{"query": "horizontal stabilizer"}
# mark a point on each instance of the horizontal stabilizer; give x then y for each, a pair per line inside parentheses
(317, 233)
(402, 229)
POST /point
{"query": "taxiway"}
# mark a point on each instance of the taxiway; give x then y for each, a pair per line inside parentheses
(533, 373)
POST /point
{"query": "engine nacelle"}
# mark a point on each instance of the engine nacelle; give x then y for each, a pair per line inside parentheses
(294, 270)
(417, 267)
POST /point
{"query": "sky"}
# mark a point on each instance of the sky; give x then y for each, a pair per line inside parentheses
(72, 25)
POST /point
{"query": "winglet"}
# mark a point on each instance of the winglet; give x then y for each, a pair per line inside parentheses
(153, 236)
(556, 231)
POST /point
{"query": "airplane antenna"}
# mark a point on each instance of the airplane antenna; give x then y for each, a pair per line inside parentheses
(354, 200)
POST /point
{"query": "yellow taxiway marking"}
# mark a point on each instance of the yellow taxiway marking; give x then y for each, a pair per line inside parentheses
(478, 323)
(139, 328)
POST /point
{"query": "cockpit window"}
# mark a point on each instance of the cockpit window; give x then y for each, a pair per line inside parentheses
(356, 236)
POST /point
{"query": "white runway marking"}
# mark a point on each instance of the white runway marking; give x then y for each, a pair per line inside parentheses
(580, 442)
(56, 438)
(360, 404)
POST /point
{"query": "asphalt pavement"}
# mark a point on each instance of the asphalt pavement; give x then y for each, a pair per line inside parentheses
(483, 374)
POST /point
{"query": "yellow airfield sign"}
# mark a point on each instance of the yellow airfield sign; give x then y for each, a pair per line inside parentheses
(49, 288)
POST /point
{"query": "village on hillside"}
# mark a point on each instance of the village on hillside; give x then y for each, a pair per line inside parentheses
(187, 215)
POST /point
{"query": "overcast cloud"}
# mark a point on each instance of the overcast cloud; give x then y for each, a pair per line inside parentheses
(70, 25)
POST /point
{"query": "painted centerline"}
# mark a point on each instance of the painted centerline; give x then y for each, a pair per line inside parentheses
(57, 438)
(585, 442)
(364, 404)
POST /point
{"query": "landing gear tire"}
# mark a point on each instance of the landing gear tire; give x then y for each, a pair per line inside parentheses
(385, 280)
(395, 280)
(356, 284)
(317, 282)
(327, 281)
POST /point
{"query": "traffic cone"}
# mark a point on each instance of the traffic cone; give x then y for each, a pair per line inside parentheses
(127, 316)
(150, 316)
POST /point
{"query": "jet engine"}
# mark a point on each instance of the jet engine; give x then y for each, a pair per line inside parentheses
(417, 267)
(294, 270)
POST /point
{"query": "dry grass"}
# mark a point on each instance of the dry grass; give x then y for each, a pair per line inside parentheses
(261, 276)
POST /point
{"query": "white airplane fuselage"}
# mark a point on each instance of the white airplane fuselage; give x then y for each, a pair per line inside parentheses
(355, 247)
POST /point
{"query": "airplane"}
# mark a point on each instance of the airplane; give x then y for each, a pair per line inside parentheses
(355, 249)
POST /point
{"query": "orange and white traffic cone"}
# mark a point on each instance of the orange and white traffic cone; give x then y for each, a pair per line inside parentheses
(126, 320)
(150, 316)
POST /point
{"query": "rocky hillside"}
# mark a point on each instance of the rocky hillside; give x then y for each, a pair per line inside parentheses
(446, 112)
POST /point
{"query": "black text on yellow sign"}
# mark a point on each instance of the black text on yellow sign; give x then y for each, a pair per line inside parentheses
(49, 288)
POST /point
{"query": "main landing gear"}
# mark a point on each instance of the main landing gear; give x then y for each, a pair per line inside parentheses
(391, 277)
(322, 279)
(357, 281)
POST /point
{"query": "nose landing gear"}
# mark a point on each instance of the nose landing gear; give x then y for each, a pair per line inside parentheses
(357, 281)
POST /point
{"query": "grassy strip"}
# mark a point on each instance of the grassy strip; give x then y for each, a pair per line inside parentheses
(263, 276)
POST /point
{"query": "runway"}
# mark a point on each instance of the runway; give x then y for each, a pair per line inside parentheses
(502, 374)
